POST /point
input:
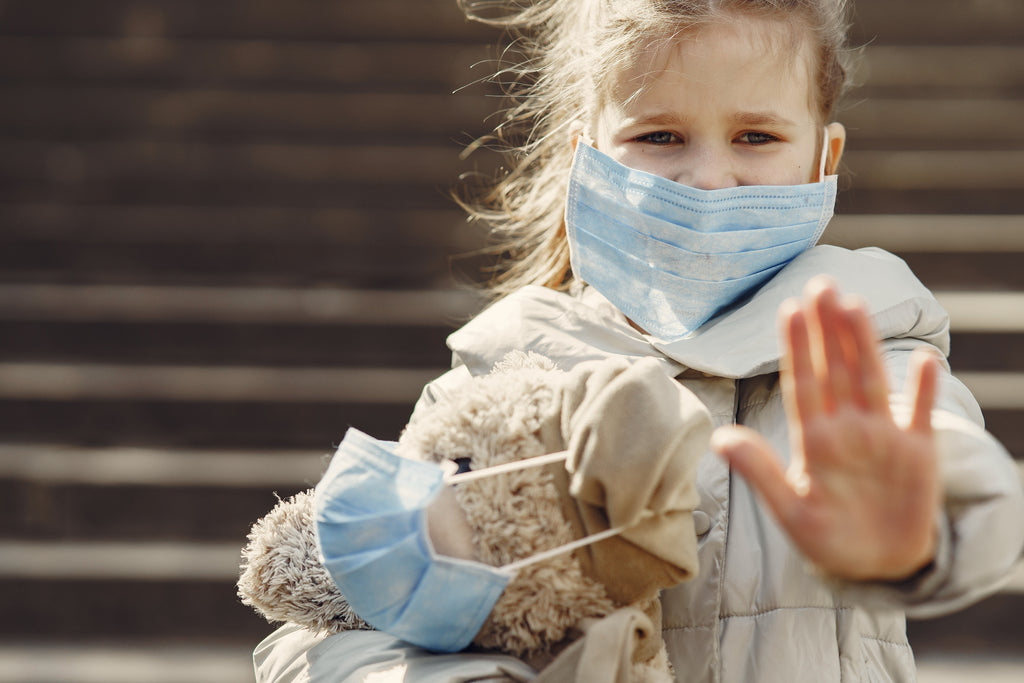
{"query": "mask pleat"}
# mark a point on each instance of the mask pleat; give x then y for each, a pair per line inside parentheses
(671, 257)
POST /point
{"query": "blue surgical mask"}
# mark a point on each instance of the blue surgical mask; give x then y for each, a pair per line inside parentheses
(671, 257)
(370, 513)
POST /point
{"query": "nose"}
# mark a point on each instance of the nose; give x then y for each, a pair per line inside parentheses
(706, 168)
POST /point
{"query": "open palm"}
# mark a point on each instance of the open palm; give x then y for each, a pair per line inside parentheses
(860, 496)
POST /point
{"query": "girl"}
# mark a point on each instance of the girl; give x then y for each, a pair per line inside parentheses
(677, 168)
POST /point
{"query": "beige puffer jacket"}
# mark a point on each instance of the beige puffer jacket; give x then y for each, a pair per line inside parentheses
(756, 611)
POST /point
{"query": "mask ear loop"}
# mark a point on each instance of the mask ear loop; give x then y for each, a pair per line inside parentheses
(824, 157)
(540, 461)
(537, 461)
(514, 567)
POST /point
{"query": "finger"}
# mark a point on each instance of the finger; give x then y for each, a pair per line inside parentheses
(872, 379)
(752, 456)
(831, 339)
(799, 381)
(922, 387)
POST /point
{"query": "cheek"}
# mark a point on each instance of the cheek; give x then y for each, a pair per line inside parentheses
(642, 160)
(796, 168)
(659, 162)
(636, 156)
(799, 174)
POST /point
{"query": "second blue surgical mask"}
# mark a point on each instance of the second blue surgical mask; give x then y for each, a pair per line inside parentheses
(370, 511)
(671, 257)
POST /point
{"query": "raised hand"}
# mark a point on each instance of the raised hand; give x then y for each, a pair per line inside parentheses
(861, 493)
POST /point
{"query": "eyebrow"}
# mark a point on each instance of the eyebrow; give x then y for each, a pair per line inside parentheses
(758, 118)
(753, 118)
(658, 119)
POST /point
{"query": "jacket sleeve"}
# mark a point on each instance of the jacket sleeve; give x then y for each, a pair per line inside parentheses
(980, 530)
(294, 655)
(443, 386)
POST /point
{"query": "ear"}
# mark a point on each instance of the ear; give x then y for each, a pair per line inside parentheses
(836, 144)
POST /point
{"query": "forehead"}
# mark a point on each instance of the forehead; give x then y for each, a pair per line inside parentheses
(746, 61)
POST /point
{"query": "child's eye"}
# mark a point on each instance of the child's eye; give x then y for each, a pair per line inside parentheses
(660, 137)
(754, 138)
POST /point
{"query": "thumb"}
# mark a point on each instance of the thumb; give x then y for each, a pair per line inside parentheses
(753, 457)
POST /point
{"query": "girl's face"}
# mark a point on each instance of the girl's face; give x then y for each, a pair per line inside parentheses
(721, 107)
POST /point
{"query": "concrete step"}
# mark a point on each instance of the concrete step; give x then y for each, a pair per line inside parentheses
(197, 423)
(292, 367)
(384, 20)
(134, 513)
(259, 407)
(975, 666)
(47, 661)
(263, 171)
(321, 327)
(885, 69)
(912, 21)
(418, 64)
(941, 68)
(63, 494)
(199, 225)
(230, 384)
(186, 591)
(282, 345)
(193, 143)
(928, 232)
(57, 110)
(339, 254)
(971, 311)
(225, 344)
(199, 611)
(237, 305)
(368, 267)
(160, 401)
(992, 625)
(132, 551)
(893, 70)
(216, 113)
(993, 22)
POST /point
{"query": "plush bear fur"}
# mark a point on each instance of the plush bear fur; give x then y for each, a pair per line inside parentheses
(497, 418)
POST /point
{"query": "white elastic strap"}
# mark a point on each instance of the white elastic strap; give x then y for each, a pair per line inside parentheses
(573, 545)
(540, 461)
(824, 157)
(536, 461)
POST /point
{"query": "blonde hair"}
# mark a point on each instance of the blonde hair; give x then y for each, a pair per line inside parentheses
(569, 53)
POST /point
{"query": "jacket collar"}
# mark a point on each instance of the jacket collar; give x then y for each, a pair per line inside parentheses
(740, 342)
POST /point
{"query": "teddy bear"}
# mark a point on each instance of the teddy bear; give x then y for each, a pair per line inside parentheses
(632, 437)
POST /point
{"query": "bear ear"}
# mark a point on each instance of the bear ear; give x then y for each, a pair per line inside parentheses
(282, 577)
(522, 360)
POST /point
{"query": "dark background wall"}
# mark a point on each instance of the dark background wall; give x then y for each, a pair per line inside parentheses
(225, 235)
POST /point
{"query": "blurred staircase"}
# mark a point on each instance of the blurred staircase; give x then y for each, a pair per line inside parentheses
(225, 237)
